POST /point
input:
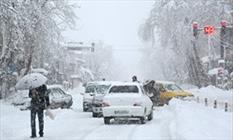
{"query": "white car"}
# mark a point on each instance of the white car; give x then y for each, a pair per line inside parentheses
(92, 97)
(127, 100)
(97, 102)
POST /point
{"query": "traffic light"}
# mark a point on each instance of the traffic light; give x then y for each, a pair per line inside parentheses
(195, 29)
(223, 27)
(224, 23)
(209, 30)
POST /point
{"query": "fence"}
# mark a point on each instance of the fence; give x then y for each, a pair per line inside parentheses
(216, 104)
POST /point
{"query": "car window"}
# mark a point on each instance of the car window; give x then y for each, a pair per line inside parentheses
(90, 89)
(172, 87)
(61, 91)
(124, 89)
(56, 93)
(102, 89)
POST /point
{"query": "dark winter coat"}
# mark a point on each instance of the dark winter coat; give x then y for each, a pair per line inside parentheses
(149, 88)
(39, 97)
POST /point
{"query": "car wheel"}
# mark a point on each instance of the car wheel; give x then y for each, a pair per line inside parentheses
(94, 114)
(142, 120)
(150, 116)
(107, 120)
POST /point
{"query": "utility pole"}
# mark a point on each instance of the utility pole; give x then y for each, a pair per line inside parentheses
(197, 71)
(222, 39)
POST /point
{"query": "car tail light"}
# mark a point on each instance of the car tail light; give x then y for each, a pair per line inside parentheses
(137, 104)
(105, 104)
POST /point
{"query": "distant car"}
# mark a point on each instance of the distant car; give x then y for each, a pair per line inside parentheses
(101, 90)
(92, 97)
(169, 90)
(58, 98)
(127, 100)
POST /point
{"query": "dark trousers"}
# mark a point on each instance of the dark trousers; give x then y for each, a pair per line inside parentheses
(40, 115)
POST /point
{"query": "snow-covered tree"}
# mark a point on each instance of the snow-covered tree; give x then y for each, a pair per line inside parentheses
(171, 21)
(30, 33)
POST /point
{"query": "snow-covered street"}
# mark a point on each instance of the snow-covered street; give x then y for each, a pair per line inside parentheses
(180, 120)
(153, 69)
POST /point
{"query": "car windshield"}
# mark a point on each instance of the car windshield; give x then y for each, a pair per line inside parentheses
(90, 89)
(56, 92)
(172, 87)
(99, 89)
(124, 89)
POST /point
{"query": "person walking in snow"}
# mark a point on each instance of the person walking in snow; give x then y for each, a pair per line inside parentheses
(152, 92)
(39, 102)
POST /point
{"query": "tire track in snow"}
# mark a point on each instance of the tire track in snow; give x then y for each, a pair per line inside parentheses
(169, 126)
(90, 131)
(131, 133)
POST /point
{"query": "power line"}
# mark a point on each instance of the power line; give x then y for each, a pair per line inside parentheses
(225, 43)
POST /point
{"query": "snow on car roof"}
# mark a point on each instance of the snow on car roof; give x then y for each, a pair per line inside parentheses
(113, 83)
(125, 83)
(102, 82)
(165, 82)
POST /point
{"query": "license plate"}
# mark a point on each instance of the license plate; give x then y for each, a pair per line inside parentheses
(121, 112)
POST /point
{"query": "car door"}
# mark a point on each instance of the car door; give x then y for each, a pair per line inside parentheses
(57, 97)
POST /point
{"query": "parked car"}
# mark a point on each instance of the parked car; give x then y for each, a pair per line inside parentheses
(58, 98)
(169, 90)
(101, 90)
(92, 96)
(127, 100)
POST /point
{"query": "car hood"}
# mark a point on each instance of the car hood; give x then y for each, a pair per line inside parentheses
(177, 93)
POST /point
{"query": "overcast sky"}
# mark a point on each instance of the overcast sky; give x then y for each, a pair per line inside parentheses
(116, 23)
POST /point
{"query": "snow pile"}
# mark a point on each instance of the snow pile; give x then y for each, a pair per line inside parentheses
(18, 98)
(213, 93)
(194, 122)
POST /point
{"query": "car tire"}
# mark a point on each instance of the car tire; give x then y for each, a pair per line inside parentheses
(150, 116)
(94, 114)
(107, 120)
(142, 120)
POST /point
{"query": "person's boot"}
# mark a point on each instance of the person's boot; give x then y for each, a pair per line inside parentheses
(33, 136)
(41, 133)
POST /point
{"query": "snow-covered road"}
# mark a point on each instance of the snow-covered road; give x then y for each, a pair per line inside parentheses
(181, 120)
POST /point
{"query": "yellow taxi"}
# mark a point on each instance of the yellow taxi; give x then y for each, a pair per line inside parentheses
(169, 90)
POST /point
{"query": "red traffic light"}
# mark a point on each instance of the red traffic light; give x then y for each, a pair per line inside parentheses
(209, 30)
